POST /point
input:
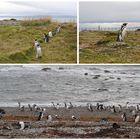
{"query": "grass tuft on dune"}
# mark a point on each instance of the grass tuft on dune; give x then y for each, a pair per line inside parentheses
(98, 47)
(17, 41)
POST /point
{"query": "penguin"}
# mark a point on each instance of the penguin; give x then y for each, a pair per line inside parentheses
(97, 106)
(137, 118)
(73, 117)
(57, 106)
(22, 108)
(50, 34)
(44, 109)
(53, 105)
(101, 107)
(71, 106)
(24, 125)
(46, 37)
(19, 105)
(34, 107)
(67, 106)
(137, 108)
(30, 108)
(120, 108)
(89, 107)
(122, 32)
(49, 118)
(124, 117)
(41, 114)
(113, 109)
(56, 117)
(58, 29)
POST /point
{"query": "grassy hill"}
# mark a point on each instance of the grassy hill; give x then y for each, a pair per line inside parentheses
(101, 47)
(17, 41)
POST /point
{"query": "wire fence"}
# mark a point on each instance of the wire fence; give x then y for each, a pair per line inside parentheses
(107, 29)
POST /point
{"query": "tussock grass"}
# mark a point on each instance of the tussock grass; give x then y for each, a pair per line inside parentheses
(96, 47)
(17, 42)
(36, 22)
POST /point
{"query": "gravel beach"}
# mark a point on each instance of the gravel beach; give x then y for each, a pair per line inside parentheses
(87, 124)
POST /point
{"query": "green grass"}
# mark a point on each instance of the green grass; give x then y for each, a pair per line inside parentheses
(17, 42)
(96, 47)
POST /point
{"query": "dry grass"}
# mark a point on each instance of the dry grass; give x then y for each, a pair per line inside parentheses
(16, 42)
(95, 47)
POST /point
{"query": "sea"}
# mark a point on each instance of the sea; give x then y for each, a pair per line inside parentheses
(79, 84)
(108, 26)
(62, 18)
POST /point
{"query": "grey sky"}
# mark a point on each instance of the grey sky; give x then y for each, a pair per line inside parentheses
(109, 11)
(37, 7)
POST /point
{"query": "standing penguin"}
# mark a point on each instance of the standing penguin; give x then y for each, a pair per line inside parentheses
(121, 33)
(113, 109)
(49, 118)
(46, 37)
(124, 117)
(41, 114)
(73, 117)
(137, 118)
(89, 107)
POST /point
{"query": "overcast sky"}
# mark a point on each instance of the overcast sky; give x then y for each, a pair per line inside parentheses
(37, 7)
(109, 11)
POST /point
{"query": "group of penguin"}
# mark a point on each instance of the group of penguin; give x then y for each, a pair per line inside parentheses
(99, 107)
(51, 33)
(113, 109)
(42, 111)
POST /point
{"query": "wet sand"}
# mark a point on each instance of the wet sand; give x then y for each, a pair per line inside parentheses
(95, 124)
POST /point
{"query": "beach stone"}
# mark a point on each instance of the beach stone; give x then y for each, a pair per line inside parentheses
(60, 68)
(86, 73)
(107, 71)
(46, 69)
(118, 78)
(96, 76)
(115, 125)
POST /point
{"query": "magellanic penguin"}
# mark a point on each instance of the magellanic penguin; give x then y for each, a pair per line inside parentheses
(124, 117)
(122, 32)
(49, 118)
(41, 114)
(73, 117)
(113, 109)
(24, 125)
(137, 118)
(89, 107)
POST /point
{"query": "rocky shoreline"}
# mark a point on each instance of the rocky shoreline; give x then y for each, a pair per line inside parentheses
(86, 124)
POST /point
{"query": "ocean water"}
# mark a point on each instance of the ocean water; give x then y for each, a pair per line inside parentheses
(55, 18)
(108, 26)
(30, 84)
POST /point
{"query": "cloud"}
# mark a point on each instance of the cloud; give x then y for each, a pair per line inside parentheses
(41, 7)
(109, 11)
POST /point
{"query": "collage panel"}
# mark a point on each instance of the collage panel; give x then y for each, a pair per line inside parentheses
(109, 32)
(69, 69)
(69, 101)
(38, 31)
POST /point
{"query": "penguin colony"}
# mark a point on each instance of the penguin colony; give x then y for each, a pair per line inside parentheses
(127, 113)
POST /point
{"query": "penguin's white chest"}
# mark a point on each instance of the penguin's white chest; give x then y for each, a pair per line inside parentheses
(137, 119)
(123, 33)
